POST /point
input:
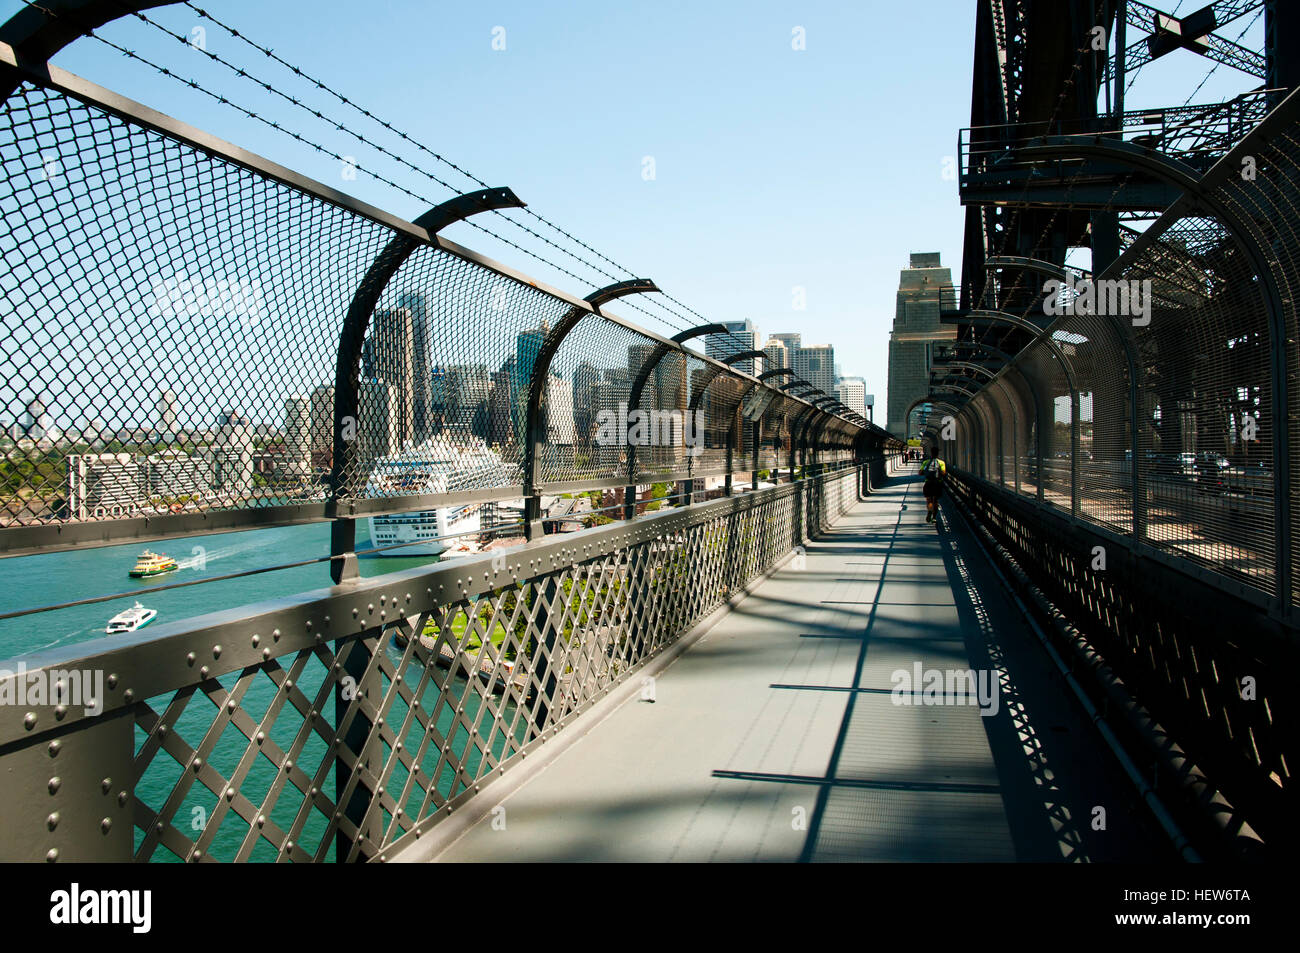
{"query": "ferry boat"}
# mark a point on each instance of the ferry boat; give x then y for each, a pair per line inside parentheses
(128, 620)
(447, 465)
(152, 564)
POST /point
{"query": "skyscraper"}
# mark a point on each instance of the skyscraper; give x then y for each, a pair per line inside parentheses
(166, 412)
(297, 436)
(852, 393)
(388, 356)
(816, 365)
(778, 355)
(422, 421)
(924, 289)
(740, 336)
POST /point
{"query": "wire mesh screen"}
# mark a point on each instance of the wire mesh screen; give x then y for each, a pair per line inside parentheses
(175, 321)
(1206, 422)
(169, 346)
(444, 380)
(1262, 191)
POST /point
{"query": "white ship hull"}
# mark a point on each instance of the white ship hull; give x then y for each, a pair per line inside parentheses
(417, 533)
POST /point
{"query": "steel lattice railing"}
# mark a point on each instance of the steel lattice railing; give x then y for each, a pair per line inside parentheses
(346, 723)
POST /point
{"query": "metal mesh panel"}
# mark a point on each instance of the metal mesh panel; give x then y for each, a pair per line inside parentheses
(170, 348)
(1268, 206)
(1095, 346)
(1205, 387)
(176, 322)
(444, 380)
(1053, 390)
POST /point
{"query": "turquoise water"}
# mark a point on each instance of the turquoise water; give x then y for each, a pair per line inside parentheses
(28, 581)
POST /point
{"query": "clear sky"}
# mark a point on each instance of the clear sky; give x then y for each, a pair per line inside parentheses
(775, 169)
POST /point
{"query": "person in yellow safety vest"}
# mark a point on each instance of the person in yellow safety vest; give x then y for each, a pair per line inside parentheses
(935, 472)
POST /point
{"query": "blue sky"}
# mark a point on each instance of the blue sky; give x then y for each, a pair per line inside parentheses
(774, 168)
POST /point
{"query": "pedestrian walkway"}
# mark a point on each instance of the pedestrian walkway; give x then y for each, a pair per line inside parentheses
(779, 735)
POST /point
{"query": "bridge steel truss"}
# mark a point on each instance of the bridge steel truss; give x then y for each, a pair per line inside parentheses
(1163, 527)
(287, 342)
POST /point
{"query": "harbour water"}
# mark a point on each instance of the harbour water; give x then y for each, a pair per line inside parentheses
(50, 578)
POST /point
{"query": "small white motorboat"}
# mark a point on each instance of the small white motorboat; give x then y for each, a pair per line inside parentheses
(128, 620)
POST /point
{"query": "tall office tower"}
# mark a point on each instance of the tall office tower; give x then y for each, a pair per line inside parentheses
(852, 393)
(297, 436)
(816, 364)
(778, 355)
(37, 423)
(637, 356)
(924, 290)
(740, 336)
(231, 455)
(528, 346)
(378, 430)
(501, 406)
(467, 387)
(422, 424)
(388, 356)
(322, 425)
(792, 342)
(166, 408)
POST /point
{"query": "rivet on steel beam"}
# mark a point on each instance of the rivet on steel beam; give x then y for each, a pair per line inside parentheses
(275, 635)
(56, 782)
(192, 658)
(216, 651)
(122, 798)
(53, 820)
(256, 638)
(29, 722)
(112, 681)
(54, 748)
(105, 785)
(105, 825)
(52, 855)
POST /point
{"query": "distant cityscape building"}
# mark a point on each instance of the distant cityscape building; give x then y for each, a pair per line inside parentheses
(388, 355)
(924, 290)
(777, 355)
(816, 365)
(296, 462)
(231, 456)
(379, 432)
(167, 415)
(422, 418)
(322, 426)
(852, 393)
(740, 336)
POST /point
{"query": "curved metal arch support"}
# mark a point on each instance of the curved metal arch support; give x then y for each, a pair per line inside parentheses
(1039, 432)
(533, 435)
(1129, 344)
(38, 31)
(352, 338)
(647, 368)
(1040, 334)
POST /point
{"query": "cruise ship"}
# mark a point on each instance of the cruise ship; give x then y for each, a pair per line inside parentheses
(443, 466)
